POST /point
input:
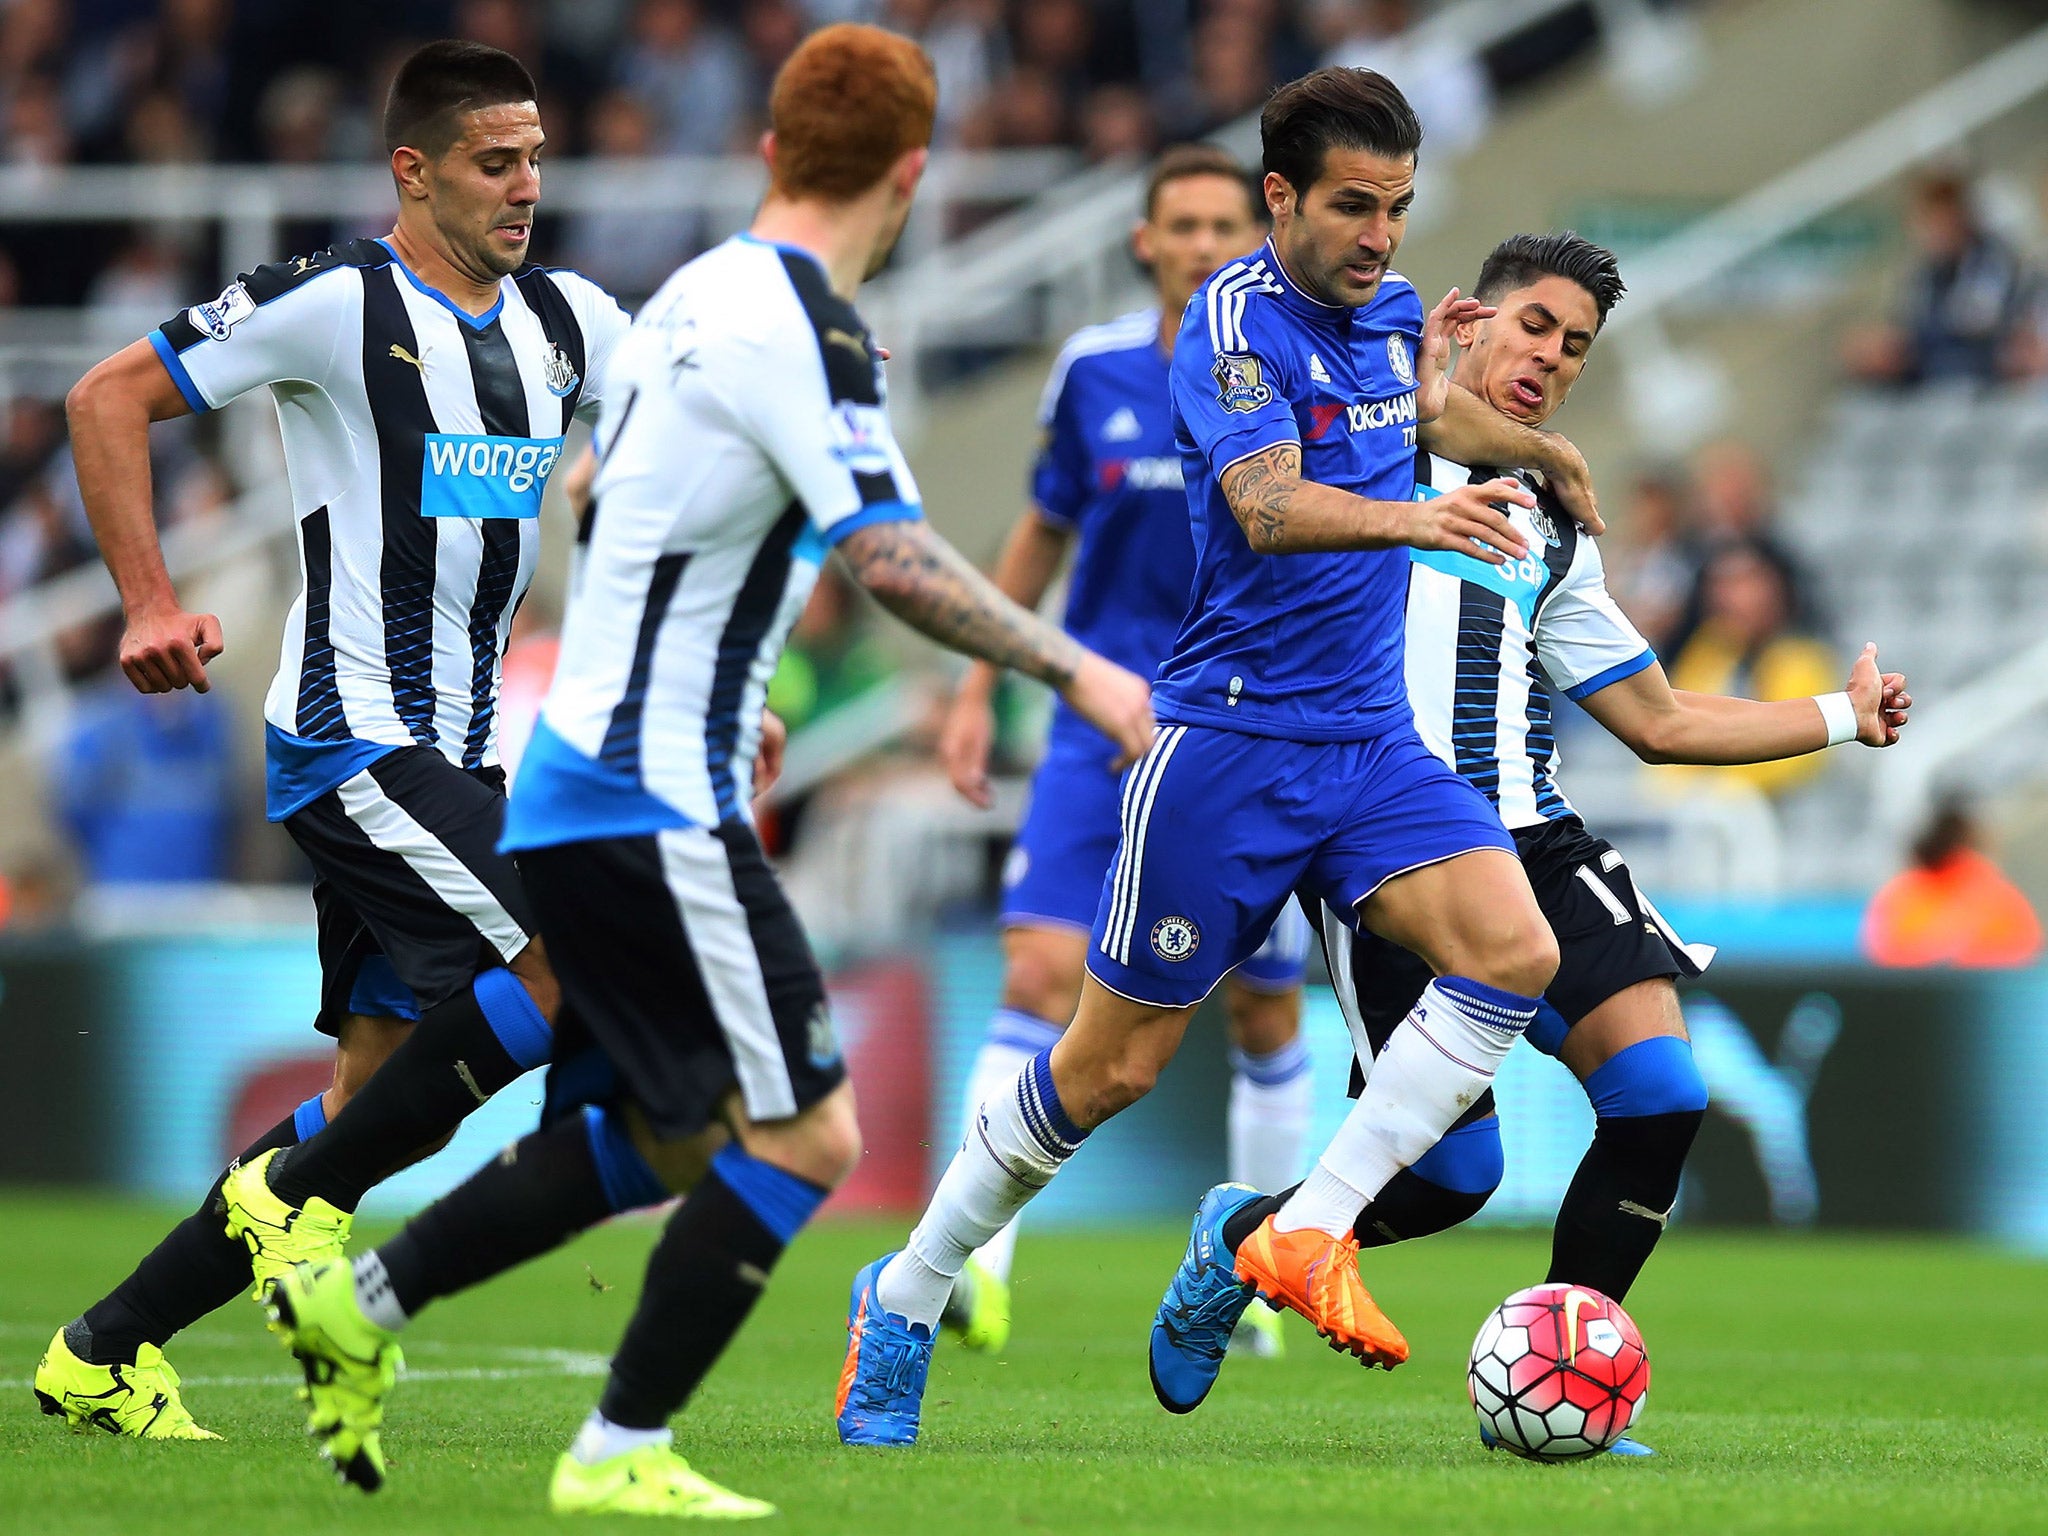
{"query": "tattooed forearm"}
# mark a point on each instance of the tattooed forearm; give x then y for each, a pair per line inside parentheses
(1261, 491)
(926, 582)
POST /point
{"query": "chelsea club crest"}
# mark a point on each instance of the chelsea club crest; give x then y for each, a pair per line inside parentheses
(1175, 938)
(1240, 382)
(1399, 360)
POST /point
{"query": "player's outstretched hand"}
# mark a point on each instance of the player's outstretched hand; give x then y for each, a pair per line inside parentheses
(966, 738)
(768, 760)
(1433, 367)
(169, 648)
(1880, 698)
(1117, 703)
(1468, 521)
(1572, 482)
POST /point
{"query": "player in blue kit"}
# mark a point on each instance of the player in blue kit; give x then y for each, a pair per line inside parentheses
(1488, 649)
(1108, 484)
(1303, 380)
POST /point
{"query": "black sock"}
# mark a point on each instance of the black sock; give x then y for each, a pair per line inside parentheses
(1410, 1206)
(196, 1269)
(1614, 1211)
(531, 1198)
(703, 1278)
(1244, 1221)
(450, 1063)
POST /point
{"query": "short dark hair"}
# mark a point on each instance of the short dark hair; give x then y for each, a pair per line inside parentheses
(439, 83)
(1520, 259)
(1184, 162)
(1334, 108)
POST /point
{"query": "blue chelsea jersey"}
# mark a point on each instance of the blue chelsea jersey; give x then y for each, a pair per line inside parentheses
(1304, 647)
(1109, 472)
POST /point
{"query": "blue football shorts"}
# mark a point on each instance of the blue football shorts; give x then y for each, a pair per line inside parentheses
(1053, 876)
(1218, 829)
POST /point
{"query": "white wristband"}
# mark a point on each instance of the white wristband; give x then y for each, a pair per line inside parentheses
(1838, 713)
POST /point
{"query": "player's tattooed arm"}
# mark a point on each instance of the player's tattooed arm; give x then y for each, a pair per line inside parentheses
(927, 583)
(1472, 432)
(1283, 514)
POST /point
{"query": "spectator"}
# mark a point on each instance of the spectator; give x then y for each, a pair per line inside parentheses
(143, 785)
(142, 284)
(1446, 84)
(630, 251)
(1748, 645)
(1116, 124)
(1233, 73)
(691, 73)
(1733, 501)
(964, 39)
(296, 116)
(1654, 571)
(1951, 905)
(1967, 313)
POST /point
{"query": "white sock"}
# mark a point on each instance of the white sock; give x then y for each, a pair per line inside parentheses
(1020, 1138)
(1436, 1064)
(1014, 1037)
(374, 1294)
(1271, 1100)
(600, 1439)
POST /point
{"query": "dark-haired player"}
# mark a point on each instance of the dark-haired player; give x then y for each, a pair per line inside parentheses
(423, 384)
(1108, 483)
(1303, 378)
(1488, 647)
(745, 440)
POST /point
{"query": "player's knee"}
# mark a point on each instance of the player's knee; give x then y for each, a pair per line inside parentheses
(1657, 1076)
(831, 1143)
(531, 967)
(1523, 960)
(1262, 1022)
(1038, 984)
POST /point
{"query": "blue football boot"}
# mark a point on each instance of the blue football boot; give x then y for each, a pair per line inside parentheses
(881, 1386)
(1196, 1317)
(1627, 1445)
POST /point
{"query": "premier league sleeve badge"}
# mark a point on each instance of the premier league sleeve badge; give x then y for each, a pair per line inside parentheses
(1240, 382)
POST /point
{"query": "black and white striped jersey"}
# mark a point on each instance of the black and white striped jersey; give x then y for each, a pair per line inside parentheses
(744, 433)
(418, 439)
(1488, 643)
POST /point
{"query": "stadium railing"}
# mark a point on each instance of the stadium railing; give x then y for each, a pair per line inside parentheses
(43, 350)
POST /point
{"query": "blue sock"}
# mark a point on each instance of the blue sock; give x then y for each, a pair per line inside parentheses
(629, 1183)
(310, 1118)
(514, 1018)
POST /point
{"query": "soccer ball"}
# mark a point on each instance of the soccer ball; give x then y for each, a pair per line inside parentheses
(1558, 1372)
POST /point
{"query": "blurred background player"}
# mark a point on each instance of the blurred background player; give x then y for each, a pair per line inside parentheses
(746, 438)
(1302, 379)
(1487, 645)
(424, 383)
(1108, 484)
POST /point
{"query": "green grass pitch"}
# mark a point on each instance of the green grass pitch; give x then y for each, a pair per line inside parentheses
(1857, 1385)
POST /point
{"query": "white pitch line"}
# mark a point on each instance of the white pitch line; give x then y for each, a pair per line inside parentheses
(568, 1364)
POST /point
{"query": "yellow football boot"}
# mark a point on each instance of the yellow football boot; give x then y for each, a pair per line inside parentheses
(652, 1480)
(140, 1399)
(351, 1365)
(280, 1235)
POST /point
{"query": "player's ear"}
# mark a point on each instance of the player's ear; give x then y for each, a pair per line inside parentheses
(1141, 242)
(1466, 332)
(767, 147)
(1279, 195)
(909, 168)
(409, 170)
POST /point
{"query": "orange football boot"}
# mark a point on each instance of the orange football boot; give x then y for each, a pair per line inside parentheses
(1315, 1274)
